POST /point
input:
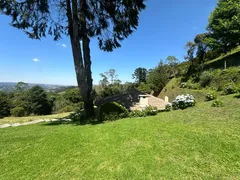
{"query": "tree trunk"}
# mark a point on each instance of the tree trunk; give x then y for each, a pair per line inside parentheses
(88, 103)
(82, 62)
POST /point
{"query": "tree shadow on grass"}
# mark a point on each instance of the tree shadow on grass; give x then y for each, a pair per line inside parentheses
(63, 121)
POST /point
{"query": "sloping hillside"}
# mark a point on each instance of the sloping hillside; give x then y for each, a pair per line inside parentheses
(172, 89)
(232, 59)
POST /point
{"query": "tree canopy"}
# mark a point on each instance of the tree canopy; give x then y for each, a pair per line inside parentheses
(37, 101)
(223, 26)
(158, 77)
(140, 75)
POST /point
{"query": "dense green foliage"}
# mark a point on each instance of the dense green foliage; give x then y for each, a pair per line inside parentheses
(222, 36)
(197, 143)
(140, 75)
(4, 105)
(72, 95)
(25, 101)
(158, 77)
(112, 111)
(18, 112)
(217, 103)
(205, 78)
(231, 88)
(173, 62)
(37, 101)
(224, 23)
(211, 96)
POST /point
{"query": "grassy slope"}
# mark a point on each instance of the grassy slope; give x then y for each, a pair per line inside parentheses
(232, 52)
(199, 142)
(219, 81)
(31, 118)
(172, 90)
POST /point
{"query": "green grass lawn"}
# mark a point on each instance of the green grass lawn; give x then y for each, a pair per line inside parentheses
(196, 143)
(12, 120)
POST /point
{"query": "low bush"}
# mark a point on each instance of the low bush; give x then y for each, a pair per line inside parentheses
(230, 89)
(76, 116)
(211, 96)
(237, 96)
(151, 111)
(137, 113)
(112, 116)
(112, 111)
(217, 103)
(79, 106)
(18, 112)
(183, 102)
(183, 85)
(168, 107)
(206, 78)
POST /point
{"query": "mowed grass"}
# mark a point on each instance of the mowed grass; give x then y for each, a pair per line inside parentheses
(12, 120)
(197, 143)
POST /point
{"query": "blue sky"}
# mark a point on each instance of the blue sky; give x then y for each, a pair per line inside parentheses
(165, 27)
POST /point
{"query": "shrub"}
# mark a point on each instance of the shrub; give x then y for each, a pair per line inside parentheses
(67, 108)
(211, 96)
(112, 116)
(79, 106)
(138, 113)
(168, 107)
(217, 103)
(183, 101)
(18, 112)
(112, 110)
(76, 116)
(151, 111)
(183, 85)
(230, 89)
(190, 86)
(206, 78)
(237, 96)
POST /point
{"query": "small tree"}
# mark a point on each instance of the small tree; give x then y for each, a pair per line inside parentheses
(140, 75)
(72, 95)
(190, 47)
(113, 87)
(112, 75)
(109, 21)
(37, 101)
(201, 45)
(19, 95)
(172, 61)
(21, 86)
(158, 77)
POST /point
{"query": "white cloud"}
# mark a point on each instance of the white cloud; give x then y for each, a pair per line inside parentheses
(64, 45)
(36, 60)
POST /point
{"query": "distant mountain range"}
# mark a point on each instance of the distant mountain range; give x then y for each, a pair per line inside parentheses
(9, 86)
